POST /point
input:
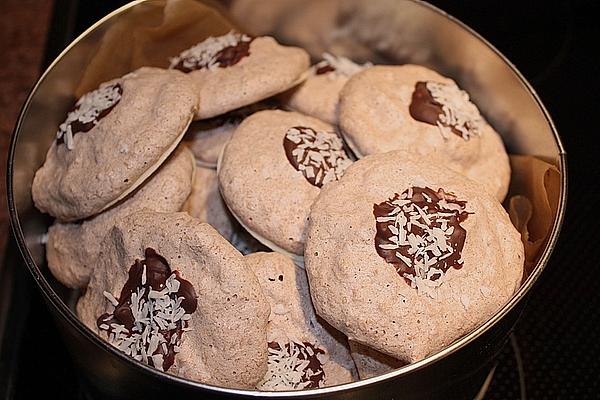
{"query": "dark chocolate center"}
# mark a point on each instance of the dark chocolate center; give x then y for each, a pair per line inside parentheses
(148, 276)
(421, 229)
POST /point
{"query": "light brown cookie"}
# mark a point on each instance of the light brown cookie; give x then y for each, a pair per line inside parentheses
(303, 352)
(207, 137)
(235, 70)
(415, 109)
(319, 95)
(72, 249)
(178, 280)
(272, 170)
(406, 256)
(370, 363)
(206, 204)
(113, 140)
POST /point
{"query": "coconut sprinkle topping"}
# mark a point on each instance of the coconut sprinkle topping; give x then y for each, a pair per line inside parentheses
(319, 155)
(152, 313)
(294, 366)
(214, 52)
(419, 232)
(339, 66)
(448, 107)
(90, 109)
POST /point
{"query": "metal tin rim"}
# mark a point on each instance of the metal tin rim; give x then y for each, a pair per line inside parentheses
(67, 315)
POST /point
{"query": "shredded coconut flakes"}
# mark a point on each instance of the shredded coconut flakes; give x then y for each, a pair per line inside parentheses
(205, 54)
(340, 66)
(159, 322)
(459, 112)
(87, 111)
(319, 155)
(421, 236)
(294, 366)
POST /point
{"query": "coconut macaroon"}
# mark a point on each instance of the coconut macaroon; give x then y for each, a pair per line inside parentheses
(207, 137)
(171, 292)
(114, 138)
(405, 256)
(206, 204)
(72, 249)
(370, 363)
(304, 352)
(271, 171)
(319, 95)
(415, 109)
(241, 69)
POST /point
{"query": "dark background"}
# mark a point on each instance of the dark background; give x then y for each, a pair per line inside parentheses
(555, 45)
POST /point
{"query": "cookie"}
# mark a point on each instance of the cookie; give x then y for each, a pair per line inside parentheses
(304, 352)
(319, 95)
(235, 70)
(406, 256)
(72, 249)
(273, 168)
(415, 109)
(206, 204)
(171, 292)
(370, 363)
(113, 140)
(207, 137)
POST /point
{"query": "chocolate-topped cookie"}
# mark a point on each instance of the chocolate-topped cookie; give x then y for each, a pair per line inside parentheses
(415, 109)
(304, 351)
(318, 96)
(273, 168)
(207, 137)
(170, 292)
(235, 70)
(114, 138)
(206, 204)
(72, 248)
(406, 256)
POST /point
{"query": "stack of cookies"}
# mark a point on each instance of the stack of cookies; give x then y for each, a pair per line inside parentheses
(246, 220)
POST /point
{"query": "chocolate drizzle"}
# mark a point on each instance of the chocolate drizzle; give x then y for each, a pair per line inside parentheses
(301, 360)
(232, 55)
(325, 68)
(222, 52)
(419, 232)
(423, 107)
(152, 312)
(88, 111)
(446, 106)
(319, 155)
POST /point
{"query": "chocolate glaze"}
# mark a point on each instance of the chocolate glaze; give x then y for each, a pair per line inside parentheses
(424, 108)
(289, 147)
(457, 238)
(324, 69)
(226, 57)
(313, 362)
(157, 273)
(78, 126)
